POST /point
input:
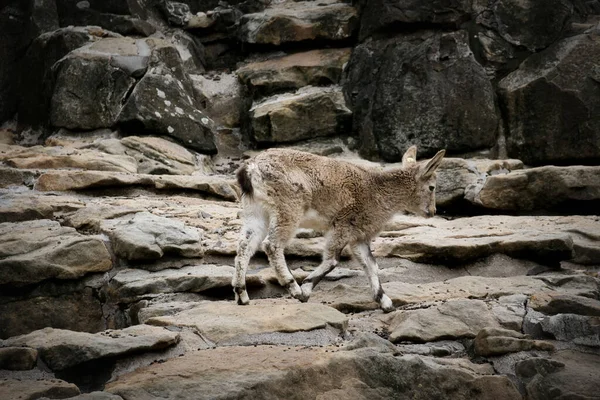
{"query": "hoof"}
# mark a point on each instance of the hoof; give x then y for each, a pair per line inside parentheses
(386, 304)
(242, 299)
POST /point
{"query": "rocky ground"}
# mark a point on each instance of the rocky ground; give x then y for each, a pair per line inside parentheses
(123, 124)
(118, 282)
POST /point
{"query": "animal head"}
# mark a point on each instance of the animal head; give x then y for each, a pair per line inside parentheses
(422, 201)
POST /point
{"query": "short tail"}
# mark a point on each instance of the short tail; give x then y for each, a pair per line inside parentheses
(244, 181)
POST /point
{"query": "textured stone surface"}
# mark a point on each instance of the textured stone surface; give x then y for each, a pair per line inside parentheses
(61, 349)
(553, 303)
(233, 372)
(423, 89)
(220, 321)
(143, 236)
(550, 103)
(24, 206)
(527, 189)
(17, 358)
(292, 21)
(293, 71)
(495, 341)
(36, 250)
(309, 113)
(35, 389)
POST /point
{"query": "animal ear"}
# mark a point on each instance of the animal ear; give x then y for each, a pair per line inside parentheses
(432, 165)
(410, 157)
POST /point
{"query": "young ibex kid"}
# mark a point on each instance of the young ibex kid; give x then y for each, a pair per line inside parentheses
(281, 187)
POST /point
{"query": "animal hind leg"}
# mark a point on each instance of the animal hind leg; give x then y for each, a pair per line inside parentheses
(252, 234)
(362, 252)
(281, 228)
(331, 258)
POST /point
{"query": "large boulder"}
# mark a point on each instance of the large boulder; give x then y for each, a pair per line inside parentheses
(36, 80)
(42, 249)
(296, 21)
(551, 104)
(309, 113)
(378, 15)
(300, 372)
(527, 189)
(425, 89)
(315, 67)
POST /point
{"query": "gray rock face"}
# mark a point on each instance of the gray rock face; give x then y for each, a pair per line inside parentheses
(291, 72)
(160, 104)
(144, 236)
(579, 329)
(36, 389)
(562, 303)
(292, 21)
(36, 80)
(36, 250)
(61, 349)
(528, 189)
(558, 88)
(309, 113)
(494, 341)
(365, 373)
(379, 14)
(223, 321)
(423, 89)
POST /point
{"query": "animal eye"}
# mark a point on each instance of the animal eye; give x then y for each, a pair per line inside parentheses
(432, 188)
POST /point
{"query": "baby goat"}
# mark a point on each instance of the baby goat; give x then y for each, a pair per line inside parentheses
(281, 187)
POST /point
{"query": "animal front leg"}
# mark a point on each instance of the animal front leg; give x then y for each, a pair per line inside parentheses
(362, 252)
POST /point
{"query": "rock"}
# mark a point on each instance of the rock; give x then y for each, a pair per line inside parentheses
(36, 80)
(291, 21)
(423, 89)
(527, 189)
(144, 236)
(94, 396)
(526, 24)
(15, 206)
(20, 23)
(92, 82)
(562, 303)
(510, 311)
(442, 348)
(309, 113)
(497, 341)
(291, 72)
(579, 329)
(452, 320)
(349, 298)
(223, 97)
(91, 216)
(161, 156)
(79, 310)
(565, 77)
(35, 389)
(223, 321)
(458, 178)
(364, 374)
(160, 106)
(15, 177)
(63, 158)
(62, 349)
(131, 283)
(32, 251)
(380, 14)
(568, 374)
(17, 358)
(82, 180)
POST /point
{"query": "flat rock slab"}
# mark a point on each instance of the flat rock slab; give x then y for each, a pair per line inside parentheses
(33, 251)
(265, 372)
(292, 21)
(81, 180)
(35, 389)
(492, 341)
(527, 189)
(132, 283)
(23, 206)
(62, 349)
(291, 72)
(344, 297)
(144, 236)
(454, 319)
(563, 303)
(220, 321)
(17, 358)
